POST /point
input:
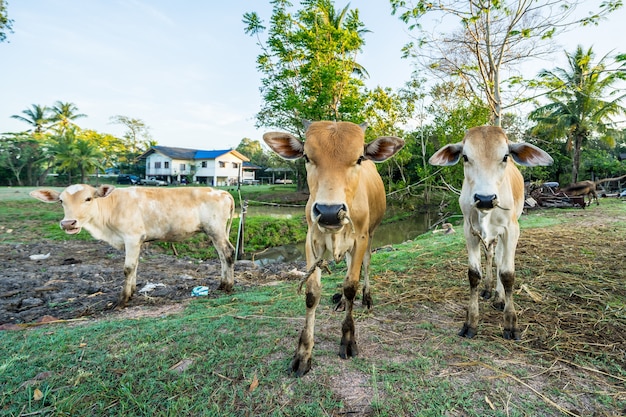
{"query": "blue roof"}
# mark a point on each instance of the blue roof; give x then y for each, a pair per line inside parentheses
(210, 154)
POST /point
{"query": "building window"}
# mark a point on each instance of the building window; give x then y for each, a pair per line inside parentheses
(157, 165)
(222, 164)
(204, 165)
(182, 167)
(235, 165)
(166, 165)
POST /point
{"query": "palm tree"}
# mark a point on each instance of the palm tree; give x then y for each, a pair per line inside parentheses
(37, 117)
(64, 114)
(73, 152)
(583, 102)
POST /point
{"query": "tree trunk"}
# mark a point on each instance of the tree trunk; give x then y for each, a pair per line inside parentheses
(578, 141)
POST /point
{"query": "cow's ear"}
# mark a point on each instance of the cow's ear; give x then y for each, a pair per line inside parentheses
(448, 155)
(47, 196)
(104, 190)
(529, 155)
(383, 148)
(285, 145)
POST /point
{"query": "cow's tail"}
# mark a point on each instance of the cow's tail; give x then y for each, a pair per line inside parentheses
(231, 216)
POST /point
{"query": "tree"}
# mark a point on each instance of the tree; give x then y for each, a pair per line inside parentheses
(64, 114)
(253, 150)
(6, 24)
(76, 153)
(38, 117)
(494, 36)
(21, 153)
(583, 101)
(137, 140)
(309, 64)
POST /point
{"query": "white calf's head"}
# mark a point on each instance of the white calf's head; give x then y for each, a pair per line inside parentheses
(77, 201)
(487, 155)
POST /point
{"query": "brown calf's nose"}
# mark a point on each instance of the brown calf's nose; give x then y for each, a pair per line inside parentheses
(485, 201)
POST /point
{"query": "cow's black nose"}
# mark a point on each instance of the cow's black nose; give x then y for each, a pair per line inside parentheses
(485, 201)
(328, 214)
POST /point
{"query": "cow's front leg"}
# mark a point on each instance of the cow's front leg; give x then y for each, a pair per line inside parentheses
(130, 272)
(470, 327)
(348, 347)
(301, 363)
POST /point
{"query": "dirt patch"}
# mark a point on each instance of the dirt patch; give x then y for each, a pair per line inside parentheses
(84, 279)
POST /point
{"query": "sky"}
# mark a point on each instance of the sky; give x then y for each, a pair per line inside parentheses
(185, 68)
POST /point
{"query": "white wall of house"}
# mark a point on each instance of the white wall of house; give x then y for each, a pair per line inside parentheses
(224, 171)
(158, 165)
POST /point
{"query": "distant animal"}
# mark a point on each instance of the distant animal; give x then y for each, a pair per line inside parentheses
(127, 217)
(492, 200)
(583, 188)
(346, 203)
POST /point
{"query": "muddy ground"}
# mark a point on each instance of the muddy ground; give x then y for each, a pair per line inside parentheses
(84, 279)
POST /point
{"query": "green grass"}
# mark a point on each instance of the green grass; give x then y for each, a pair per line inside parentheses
(239, 347)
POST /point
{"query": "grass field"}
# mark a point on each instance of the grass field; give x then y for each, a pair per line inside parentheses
(229, 355)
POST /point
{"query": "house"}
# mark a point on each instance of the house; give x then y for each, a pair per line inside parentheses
(216, 168)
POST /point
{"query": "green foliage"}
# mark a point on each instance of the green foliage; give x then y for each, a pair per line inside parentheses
(308, 64)
(582, 103)
(6, 24)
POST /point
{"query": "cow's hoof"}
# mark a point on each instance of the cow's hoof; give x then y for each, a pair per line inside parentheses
(499, 305)
(368, 302)
(300, 366)
(348, 350)
(486, 294)
(514, 334)
(467, 331)
(339, 302)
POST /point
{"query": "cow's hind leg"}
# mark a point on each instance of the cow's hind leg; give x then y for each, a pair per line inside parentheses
(367, 296)
(488, 278)
(301, 363)
(226, 253)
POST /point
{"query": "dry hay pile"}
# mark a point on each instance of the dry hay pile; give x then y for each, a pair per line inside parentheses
(569, 293)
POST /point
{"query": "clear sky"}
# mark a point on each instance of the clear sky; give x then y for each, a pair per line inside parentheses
(185, 68)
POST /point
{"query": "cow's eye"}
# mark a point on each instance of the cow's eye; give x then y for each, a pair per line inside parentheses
(88, 199)
(506, 158)
(465, 158)
(358, 161)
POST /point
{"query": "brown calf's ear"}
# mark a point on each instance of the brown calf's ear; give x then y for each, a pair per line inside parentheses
(529, 155)
(47, 196)
(383, 148)
(285, 145)
(448, 155)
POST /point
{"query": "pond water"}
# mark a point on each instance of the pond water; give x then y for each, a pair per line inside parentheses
(386, 234)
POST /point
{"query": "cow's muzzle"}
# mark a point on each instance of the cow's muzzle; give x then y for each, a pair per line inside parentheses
(70, 226)
(331, 216)
(485, 202)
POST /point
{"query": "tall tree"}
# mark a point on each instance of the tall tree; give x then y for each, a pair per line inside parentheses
(494, 36)
(6, 24)
(64, 114)
(583, 101)
(38, 117)
(308, 62)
